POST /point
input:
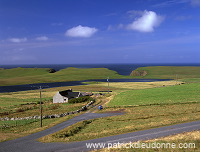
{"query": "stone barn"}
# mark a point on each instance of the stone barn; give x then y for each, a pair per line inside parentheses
(64, 96)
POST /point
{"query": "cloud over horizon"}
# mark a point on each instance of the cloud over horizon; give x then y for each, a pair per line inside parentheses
(147, 22)
(17, 40)
(81, 31)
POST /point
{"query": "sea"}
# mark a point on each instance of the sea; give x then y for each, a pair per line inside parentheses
(122, 69)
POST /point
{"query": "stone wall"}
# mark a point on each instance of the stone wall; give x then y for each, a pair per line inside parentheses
(84, 108)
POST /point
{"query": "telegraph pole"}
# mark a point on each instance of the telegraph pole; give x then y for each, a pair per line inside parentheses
(40, 106)
(40, 88)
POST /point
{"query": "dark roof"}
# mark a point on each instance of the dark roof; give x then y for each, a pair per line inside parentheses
(69, 94)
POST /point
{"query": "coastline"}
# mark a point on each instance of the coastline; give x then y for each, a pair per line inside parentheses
(120, 68)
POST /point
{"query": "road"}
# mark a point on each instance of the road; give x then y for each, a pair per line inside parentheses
(30, 144)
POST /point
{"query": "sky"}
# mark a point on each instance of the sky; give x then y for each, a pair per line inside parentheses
(99, 31)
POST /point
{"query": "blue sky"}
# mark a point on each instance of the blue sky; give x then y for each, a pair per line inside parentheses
(98, 31)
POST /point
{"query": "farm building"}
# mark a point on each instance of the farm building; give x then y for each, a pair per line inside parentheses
(64, 96)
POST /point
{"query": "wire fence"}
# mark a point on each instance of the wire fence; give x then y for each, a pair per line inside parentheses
(15, 123)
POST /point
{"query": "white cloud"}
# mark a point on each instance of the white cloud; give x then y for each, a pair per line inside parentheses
(42, 38)
(81, 31)
(147, 22)
(18, 40)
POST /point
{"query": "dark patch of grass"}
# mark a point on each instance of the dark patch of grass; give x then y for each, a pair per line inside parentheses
(72, 130)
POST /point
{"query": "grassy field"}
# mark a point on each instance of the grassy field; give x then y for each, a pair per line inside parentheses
(18, 76)
(161, 95)
(26, 103)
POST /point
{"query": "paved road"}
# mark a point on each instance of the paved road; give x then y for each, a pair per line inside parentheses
(29, 143)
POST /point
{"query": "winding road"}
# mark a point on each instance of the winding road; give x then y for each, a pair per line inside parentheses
(29, 143)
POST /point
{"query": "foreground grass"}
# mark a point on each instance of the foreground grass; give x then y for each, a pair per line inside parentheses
(154, 108)
(24, 130)
(189, 139)
(135, 118)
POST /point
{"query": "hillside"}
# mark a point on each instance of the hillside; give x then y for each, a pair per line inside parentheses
(17, 76)
(167, 72)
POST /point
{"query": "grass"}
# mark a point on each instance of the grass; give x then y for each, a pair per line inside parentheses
(18, 76)
(135, 118)
(170, 94)
(24, 130)
(137, 85)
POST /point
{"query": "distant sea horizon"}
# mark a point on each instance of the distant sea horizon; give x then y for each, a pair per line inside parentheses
(121, 68)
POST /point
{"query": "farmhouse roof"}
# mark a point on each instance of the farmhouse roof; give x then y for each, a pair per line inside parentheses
(69, 93)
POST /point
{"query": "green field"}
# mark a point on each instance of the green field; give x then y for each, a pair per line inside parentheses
(19, 75)
(161, 95)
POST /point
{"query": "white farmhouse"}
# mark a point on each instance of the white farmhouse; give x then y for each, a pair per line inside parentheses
(64, 96)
